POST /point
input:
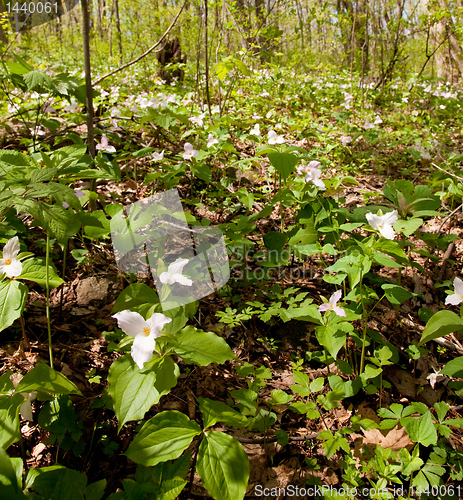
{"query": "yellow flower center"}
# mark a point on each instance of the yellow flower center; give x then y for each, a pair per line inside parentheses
(331, 306)
(7, 262)
(146, 331)
(380, 226)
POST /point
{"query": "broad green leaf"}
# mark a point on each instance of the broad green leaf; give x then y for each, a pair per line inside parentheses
(203, 172)
(7, 472)
(163, 437)
(137, 297)
(275, 241)
(301, 378)
(247, 398)
(408, 227)
(13, 296)
(42, 378)
(202, 348)
(331, 337)
(95, 491)
(279, 397)
(57, 483)
(36, 80)
(454, 368)
(396, 294)
(390, 247)
(223, 466)
(134, 392)
(421, 430)
(317, 384)
(43, 479)
(216, 411)
(6, 384)
(442, 323)
(34, 270)
(384, 260)
(9, 419)
(284, 163)
(43, 174)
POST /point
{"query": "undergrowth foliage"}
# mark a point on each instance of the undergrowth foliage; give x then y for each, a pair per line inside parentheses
(280, 167)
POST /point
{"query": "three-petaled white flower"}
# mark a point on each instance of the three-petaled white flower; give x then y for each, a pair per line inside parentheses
(312, 173)
(331, 305)
(144, 333)
(256, 130)
(25, 410)
(174, 273)
(189, 151)
(198, 120)
(345, 140)
(211, 140)
(383, 223)
(456, 297)
(158, 156)
(367, 125)
(273, 138)
(9, 265)
(104, 145)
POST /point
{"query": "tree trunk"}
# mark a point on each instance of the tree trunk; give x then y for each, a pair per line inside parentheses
(3, 38)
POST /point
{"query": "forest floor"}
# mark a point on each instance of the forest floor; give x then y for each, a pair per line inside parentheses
(84, 335)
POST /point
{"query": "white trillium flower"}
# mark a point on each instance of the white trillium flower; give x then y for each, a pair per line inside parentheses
(158, 156)
(273, 138)
(312, 173)
(104, 145)
(37, 131)
(71, 108)
(345, 140)
(9, 265)
(25, 410)
(456, 297)
(198, 120)
(144, 333)
(211, 140)
(367, 125)
(115, 113)
(189, 151)
(331, 305)
(378, 120)
(383, 223)
(174, 273)
(256, 130)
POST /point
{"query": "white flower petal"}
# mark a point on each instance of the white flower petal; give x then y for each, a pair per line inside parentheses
(142, 349)
(391, 217)
(454, 299)
(372, 220)
(387, 231)
(458, 285)
(336, 297)
(13, 270)
(177, 266)
(156, 323)
(11, 248)
(183, 280)
(131, 323)
(165, 278)
(339, 311)
(25, 410)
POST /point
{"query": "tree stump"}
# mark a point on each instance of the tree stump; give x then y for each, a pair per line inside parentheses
(171, 53)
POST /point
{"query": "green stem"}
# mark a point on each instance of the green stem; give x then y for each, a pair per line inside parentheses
(47, 284)
(365, 323)
(281, 205)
